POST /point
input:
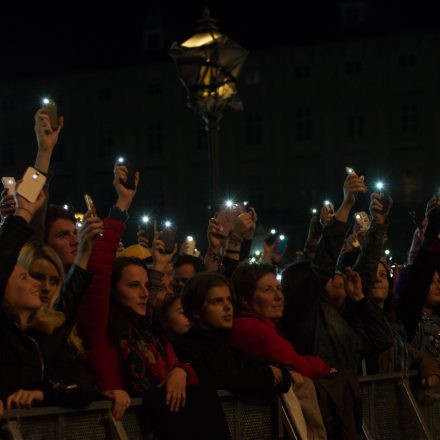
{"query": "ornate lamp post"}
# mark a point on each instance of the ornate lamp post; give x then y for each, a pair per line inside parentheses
(208, 65)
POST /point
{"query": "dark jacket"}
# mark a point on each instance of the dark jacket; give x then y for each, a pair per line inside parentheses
(32, 359)
(221, 366)
(313, 325)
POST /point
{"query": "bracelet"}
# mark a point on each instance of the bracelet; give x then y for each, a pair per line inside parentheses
(27, 210)
(230, 251)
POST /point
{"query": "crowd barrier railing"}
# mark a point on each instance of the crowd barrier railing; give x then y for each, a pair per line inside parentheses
(390, 410)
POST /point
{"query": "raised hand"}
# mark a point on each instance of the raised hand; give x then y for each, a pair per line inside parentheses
(353, 285)
(46, 136)
(92, 228)
(376, 208)
(125, 195)
(7, 204)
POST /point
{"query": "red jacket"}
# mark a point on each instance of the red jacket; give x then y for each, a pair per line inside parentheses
(259, 336)
(104, 357)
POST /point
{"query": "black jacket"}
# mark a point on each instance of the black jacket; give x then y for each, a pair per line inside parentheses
(222, 366)
(317, 328)
(32, 359)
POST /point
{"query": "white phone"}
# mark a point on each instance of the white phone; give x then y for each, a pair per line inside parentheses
(9, 184)
(31, 185)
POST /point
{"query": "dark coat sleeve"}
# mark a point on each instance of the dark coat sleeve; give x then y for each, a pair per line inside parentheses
(13, 235)
(72, 292)
(73, 385)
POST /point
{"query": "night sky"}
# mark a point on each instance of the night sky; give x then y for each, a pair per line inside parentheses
(69, 36)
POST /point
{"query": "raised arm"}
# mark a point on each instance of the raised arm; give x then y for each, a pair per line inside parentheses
(371, 252)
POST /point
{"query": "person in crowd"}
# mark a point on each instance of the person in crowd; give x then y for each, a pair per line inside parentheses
(311, 319)
(402, 355)
(172, 318)
(261, 305)
(418, 288)
(125, 353)
(36, 366)
(208, 303)
(185, 268)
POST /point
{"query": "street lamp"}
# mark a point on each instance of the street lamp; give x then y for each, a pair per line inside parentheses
(208, 65)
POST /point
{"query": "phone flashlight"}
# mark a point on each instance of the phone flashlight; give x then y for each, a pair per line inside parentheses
(327, 202)
(167, 224)
(257, 253)
(279, 277)
(190, 238)
(46, 101)
(10, 181)
(387, 252)
(273, 231)
(145, 219)
(380, 185)
(35, 176)
(121, 160)
(229, 203)
(314, 211)
(350, 170)
(358, 217)
(66, 207)
(282, 237)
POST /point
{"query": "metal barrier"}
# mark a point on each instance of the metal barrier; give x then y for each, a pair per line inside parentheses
(250, 417)
(390, 411)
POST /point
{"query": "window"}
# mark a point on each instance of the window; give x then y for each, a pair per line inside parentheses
(105, 142)
(252, 78)
(8, 155)
(407, 61)
(304, 125)
(302, 72)
(255, 191)
(353, 67)
(355, 125)
(153, 39)
(105, 94)
(409, 120)
(154, 137)
(254, 129)
(352, 13)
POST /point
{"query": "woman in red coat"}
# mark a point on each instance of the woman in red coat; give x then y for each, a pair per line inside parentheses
(255, 331)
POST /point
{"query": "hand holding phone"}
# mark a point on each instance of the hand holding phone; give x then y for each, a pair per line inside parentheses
(9, 184)
(31, 185)
(226, 218)
(168, 236)
(51, 110)
(130, 181)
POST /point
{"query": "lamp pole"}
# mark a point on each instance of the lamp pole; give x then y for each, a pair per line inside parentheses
(208, 65)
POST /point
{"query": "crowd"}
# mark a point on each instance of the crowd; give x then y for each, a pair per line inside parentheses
(84, 318)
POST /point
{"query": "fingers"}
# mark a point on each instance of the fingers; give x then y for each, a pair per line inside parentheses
(121, 173)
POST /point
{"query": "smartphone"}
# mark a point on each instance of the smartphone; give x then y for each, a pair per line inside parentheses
(191, 245)
(147, 229)
(31, 185)
(168, 236)
(51, 110)
(243, 207)
(363, 220)
(384, 199)
(89, 202)
(130, 182)
(9, 184)
(226, 217)
(271, 237)
(281, 248)
(349, 170)
(329, 206)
